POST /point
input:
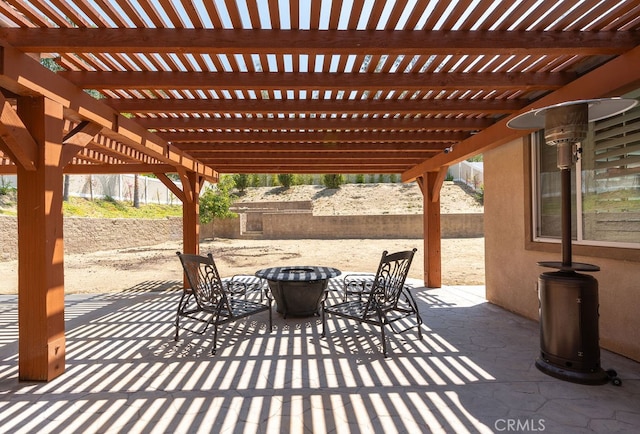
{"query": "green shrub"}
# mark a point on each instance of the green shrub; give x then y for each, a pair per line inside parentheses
(241, 180)
(5, 187)
(285, 179)
(332, 180)
(480, 194)
(255, 180)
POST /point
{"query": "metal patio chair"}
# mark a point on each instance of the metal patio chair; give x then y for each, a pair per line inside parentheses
(212, 301)
(385, 303)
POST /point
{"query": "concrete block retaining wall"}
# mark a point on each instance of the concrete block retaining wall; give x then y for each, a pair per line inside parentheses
(362, 226)
(84, 235)
(8, 238)
(307, 226)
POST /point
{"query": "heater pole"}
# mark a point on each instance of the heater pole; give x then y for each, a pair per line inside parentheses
(565, 195)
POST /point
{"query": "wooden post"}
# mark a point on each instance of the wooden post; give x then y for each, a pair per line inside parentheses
(41, 246)
(191, 185)
(430, 184)
(190, 197)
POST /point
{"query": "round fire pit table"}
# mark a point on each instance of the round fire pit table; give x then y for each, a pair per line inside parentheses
(298, 289)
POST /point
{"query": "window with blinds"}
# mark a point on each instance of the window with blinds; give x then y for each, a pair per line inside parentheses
(607, 210)
(610, 169)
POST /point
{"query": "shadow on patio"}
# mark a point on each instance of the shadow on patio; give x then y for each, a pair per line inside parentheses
(473, 372)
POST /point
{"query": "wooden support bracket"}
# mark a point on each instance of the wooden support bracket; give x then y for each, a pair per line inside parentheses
(77, 139)
(15, 139)
(168, 182)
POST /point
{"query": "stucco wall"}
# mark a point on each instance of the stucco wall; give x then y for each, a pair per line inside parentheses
(511, 270)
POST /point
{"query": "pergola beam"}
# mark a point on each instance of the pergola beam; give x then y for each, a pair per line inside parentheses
(336, 137)
(346, 106)
(374, 42)
(322, 81)
(293, 148)
(397, 160)
(405, 124)
(363, 156)
(335, 167)
(116, 168)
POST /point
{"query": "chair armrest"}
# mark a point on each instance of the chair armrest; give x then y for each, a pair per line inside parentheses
(250, 281)
(357, 283)
(358, 278)
(243, 283)
(239, 284)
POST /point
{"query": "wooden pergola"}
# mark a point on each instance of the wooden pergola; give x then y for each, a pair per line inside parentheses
(274, 86)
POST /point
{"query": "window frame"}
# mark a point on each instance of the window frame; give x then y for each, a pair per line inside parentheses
(578, 222)
(596, 249)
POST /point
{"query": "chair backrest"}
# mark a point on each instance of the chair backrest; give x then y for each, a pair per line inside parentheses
(204, 280)
(390, 277)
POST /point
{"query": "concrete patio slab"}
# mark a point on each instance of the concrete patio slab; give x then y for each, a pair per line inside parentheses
(473, 372)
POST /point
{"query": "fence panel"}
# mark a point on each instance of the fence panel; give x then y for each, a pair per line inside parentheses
(471, 173)
(118, 187)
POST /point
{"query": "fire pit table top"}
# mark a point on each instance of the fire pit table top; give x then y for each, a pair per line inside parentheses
(298, 273)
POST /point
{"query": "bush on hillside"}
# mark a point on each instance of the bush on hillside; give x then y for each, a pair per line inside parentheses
(285, 179)
(241, 181)
(332, 180)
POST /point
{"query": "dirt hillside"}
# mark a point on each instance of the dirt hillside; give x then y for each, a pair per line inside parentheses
(358, 199)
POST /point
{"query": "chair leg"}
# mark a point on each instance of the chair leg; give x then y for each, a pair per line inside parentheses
(384, 341)
(419, 321)
(215, 340)
(414, 306)
(323, 334)
(180, 308)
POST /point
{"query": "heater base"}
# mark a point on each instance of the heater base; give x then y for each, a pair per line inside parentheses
(600, 376)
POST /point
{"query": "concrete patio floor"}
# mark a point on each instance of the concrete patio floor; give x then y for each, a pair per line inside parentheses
(473, 372)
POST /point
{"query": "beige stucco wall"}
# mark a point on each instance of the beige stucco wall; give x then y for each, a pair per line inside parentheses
(511, 270)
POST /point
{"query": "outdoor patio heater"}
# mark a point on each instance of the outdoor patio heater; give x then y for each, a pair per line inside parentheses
(569, 335)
